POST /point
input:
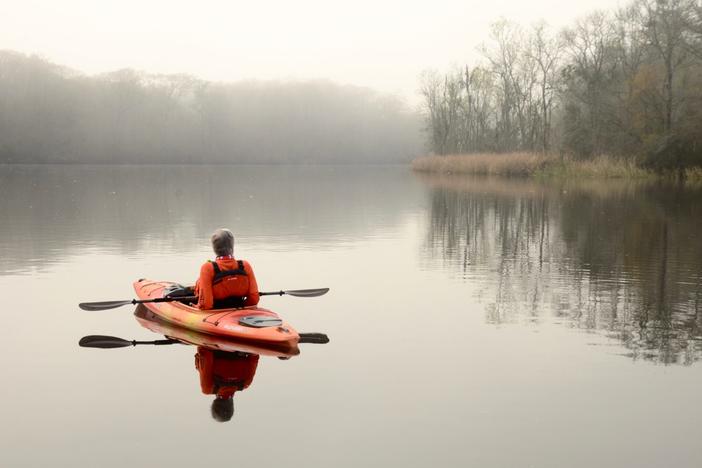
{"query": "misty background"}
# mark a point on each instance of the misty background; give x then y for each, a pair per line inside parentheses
(54, 114)
(383, 45)
(230, 82)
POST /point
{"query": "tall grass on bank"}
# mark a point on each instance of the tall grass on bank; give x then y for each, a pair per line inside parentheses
(531, 165)
(601, 167)
(508, 164)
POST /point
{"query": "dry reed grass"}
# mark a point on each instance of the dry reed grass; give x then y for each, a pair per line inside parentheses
(694, 174)
(510, 164)
(531, 164)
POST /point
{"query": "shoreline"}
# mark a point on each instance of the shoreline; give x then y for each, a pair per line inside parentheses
(547, 166)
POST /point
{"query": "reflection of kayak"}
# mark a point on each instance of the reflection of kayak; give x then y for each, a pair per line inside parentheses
(151, 321)
(247, 323)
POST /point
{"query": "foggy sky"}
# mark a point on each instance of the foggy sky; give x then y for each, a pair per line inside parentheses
(375, 43)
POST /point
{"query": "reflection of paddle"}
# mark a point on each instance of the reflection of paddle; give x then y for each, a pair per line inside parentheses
(107, 342)
(105, 305)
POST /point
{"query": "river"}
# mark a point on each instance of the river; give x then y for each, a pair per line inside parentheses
(473, 322)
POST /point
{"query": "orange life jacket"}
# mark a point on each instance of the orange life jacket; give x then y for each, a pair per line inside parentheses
(229, 287)
(225, 283)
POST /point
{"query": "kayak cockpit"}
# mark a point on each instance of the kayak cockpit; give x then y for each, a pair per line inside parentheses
(185, 294)
(177, 291)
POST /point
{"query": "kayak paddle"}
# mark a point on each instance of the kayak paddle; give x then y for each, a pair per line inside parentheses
(109, 342)
(114, 304)
(106, 342)
(317, 338)
(298, 292)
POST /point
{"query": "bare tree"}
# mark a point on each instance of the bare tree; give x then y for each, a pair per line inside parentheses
(669, 28)
(589, 74)
(546, 50)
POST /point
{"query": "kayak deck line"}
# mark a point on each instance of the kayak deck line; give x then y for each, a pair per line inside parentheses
(219, 319)
(208, 316)
(148, 283)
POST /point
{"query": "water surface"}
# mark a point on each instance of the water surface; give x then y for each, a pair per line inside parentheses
(473, 322)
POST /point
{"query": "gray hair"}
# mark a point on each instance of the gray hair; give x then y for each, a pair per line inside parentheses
(223, 242)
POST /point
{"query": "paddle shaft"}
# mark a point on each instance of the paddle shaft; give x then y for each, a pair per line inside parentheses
(113, 304)
(155, 342)
(294, 292)
(164, 299)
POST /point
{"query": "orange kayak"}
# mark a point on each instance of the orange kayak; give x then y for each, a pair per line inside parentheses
(153, 322)
(246, 323)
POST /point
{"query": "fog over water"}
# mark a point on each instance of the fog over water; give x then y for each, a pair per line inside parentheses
(121, 209)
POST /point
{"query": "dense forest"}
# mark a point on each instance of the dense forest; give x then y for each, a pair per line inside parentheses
(51, 114)
(626, 83)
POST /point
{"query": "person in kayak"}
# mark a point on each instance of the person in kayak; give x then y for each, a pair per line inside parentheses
(222, 374)
(225, 282)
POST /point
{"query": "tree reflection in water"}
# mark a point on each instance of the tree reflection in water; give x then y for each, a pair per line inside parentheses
(624, 259)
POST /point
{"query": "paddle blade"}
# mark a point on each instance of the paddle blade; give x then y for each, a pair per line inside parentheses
(103, 305)
(307, 292)
(318, 338)
(105, 342)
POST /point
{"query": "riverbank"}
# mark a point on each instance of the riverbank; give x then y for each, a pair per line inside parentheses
(525, 164)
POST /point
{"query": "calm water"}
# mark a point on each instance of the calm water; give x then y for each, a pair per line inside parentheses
(484, 323)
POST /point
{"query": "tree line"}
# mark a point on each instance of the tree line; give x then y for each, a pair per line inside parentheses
(622, 83)
(52, 114)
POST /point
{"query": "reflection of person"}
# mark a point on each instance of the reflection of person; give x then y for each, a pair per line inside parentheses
(225, 282)
(222, 374)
